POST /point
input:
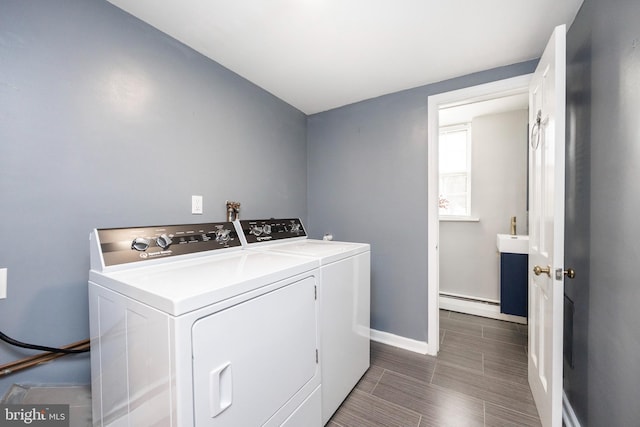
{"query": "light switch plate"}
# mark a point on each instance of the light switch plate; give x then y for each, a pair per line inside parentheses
(3, 283)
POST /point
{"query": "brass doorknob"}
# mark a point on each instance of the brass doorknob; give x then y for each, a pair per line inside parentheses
(537, 270)
(570, 273)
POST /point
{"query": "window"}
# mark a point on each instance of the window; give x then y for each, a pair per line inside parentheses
(455, 170)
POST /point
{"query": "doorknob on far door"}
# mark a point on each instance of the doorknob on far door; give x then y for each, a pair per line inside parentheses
(569, 272)
(537, 270)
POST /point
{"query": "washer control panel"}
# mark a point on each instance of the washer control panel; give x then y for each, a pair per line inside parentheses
(264, 230)
(126, 245)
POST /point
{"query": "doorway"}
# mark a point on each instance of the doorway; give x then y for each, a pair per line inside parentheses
(475, 94)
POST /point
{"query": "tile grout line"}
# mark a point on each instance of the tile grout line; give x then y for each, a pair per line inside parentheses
(391, 403)
(492, 341)
(500, 325)
(410, 377)
(515, 410)
(484, 412)
(434, 371)
(378, 382)
(484, 402)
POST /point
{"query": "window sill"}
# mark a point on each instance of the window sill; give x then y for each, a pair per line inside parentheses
(458, 219)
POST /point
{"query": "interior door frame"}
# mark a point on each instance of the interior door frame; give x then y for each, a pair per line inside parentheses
(462, 96)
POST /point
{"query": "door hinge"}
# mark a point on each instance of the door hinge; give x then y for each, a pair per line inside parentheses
(316, 356)
(315, 292)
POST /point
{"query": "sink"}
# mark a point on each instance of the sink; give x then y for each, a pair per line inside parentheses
(513, 244)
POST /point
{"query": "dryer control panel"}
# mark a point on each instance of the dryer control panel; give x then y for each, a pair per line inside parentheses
(134, 244)
(268, 230)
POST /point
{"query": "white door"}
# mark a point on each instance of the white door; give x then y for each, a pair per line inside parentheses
(546, 228)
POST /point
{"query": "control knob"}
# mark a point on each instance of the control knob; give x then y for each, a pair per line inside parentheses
(140, 244)
(256, 230)
(295, 227)
(164, 241)
(266, 229)
(223, 235)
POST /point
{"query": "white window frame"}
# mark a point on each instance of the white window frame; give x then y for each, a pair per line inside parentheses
(456, 128)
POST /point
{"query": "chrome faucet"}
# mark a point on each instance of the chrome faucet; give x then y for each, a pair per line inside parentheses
(513, 225)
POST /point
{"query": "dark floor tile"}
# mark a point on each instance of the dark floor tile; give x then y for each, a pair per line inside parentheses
(523, 328)
(452, 421)
(505, 335)
(510, 395)
(497, 416)
(483, 321)
(370, 379)
(478, 379)
(438, 406)
(463, 358)
(402, 361)
(461, 326)
(364, 410)
(506, 369)
(454, 340)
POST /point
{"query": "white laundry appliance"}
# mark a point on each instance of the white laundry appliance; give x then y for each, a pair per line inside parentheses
(189, 329)
(345, 280)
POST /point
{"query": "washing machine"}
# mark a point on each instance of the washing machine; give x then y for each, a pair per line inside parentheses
(344, 299)
(189, 329)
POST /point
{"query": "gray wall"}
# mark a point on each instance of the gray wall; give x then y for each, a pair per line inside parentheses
(367, 182)
(578, 211)
(603, 176)
(469, 261)
(106, 122)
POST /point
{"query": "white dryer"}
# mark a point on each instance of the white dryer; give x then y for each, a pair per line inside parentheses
(189, 329)
(345, 280)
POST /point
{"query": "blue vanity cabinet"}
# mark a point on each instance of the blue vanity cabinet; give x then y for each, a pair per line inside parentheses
(514, 295)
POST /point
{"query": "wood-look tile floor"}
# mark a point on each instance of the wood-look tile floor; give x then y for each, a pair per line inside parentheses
(479, 378)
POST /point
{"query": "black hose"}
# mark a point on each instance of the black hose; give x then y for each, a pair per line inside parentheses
(17, 343)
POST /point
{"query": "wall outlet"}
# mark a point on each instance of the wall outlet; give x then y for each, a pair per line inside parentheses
(196, 205)
(3, 283)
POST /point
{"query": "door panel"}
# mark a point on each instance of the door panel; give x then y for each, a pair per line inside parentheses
(250, 359)
(546, 240)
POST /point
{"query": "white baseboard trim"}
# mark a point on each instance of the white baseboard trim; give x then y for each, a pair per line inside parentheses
(469, 297)
(569, 418)
(478, 309)
(401, 342)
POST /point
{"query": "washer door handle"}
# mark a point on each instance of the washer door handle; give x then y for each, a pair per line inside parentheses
(220, 389)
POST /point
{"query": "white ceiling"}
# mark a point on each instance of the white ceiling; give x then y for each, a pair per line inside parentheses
(321, 54)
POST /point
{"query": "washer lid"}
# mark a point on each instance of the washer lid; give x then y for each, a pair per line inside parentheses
(183, 286)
